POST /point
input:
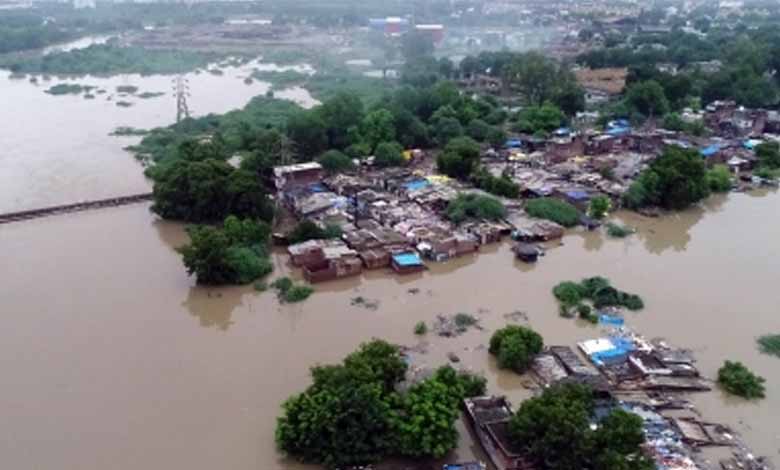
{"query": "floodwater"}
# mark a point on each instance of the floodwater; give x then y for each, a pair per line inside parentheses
(112, 358)
(57, 149)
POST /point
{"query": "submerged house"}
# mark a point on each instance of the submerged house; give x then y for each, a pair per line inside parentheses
(407, 263)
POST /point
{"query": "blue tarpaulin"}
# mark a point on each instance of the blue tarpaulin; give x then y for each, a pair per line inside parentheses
(710, 150)
(611, 320)
(416, 184)
(577, 195)
(513, 143)
(407, 259)
(621, 347)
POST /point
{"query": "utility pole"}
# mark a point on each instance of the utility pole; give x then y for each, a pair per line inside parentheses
(182, 90)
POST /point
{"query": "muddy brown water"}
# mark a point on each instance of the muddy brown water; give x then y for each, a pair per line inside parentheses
(112, 358)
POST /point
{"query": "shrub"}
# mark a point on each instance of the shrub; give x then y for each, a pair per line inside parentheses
(618, 231)
(515, 346)
(309, 230)
(555, 210)
(298, 293)
(464, 320)
(283, 284)
(420, 328)
(719, 179)
(599, 206)
(737, 379)
(584, 311)
(334, 161)
(388, 154)
(568, 293)
(770, 344)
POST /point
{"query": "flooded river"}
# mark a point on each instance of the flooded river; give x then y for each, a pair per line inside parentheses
(57, 149)
(112, 359)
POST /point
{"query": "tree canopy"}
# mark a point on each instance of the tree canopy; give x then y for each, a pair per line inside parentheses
(515, 347)
(675, 180)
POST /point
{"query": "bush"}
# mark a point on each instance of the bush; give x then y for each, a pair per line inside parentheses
(598, 290)
(388, 154)
(478, 130)
(334, 161)
(297, 293)
(569, 293)
(675, 180)
(560, 212)
(599, 206)
(770, 344)
(719, 179)
(618, 231)
(737, 379)
(584, 311)
(420, 328)
(474, 206)
(515, 346)
(309, 230)
(500, 186)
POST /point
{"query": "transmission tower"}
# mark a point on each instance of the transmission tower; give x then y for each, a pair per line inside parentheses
(182, 89)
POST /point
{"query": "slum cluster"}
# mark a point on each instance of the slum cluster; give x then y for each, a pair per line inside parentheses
(390, 218)
(649, 378)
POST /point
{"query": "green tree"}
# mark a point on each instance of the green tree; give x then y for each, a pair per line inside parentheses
(416, 45)
(377, 127)
(334, 161)
(388, 154)
(719, 179)
(478, 130)
(540, 119)
(307, 129)
(647, 98)
(459, 158)
(768, 154)
(515, 346)
(737, 379)
(539, 80)
(340, 113)
(446, 129)
(599, 206)
(675, 180)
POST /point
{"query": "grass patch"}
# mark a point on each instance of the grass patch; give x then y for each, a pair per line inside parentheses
(558, 211)
(420, 328)
(619, 231)
(280, 79)
(129, 89)
(770, 344)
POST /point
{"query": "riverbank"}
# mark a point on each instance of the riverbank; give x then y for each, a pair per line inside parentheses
(150, 358)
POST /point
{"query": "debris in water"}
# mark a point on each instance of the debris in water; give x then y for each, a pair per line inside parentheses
(361, 301)
(453, 357)
(516, 316)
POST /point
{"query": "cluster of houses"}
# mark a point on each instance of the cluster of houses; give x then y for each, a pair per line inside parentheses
(388, 219)
(395, 218)
(649, 379)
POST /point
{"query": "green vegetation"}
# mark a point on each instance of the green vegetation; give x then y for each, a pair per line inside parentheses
(675, 180)
(280, 79)
(334, 161)
(309, 230)
(202, 187)
(596, 289)
(129, 89)
(768, 154)
(420, 328)
(460, 158)
(674, 122)
(150, 94)
(129, 132)
(770, 344)
(68, 89)
(558, 211)
(290, 292)
(388, 154)
(463, 321)
(236, 253)
(541, 80)
(599, 206)
(110, 59)
(540, 120)
(474, 206)
(353, 415)
(555, 430)
(737, 379)
(619, 231)
(515, 347)
(500, 186)
(719, 179)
